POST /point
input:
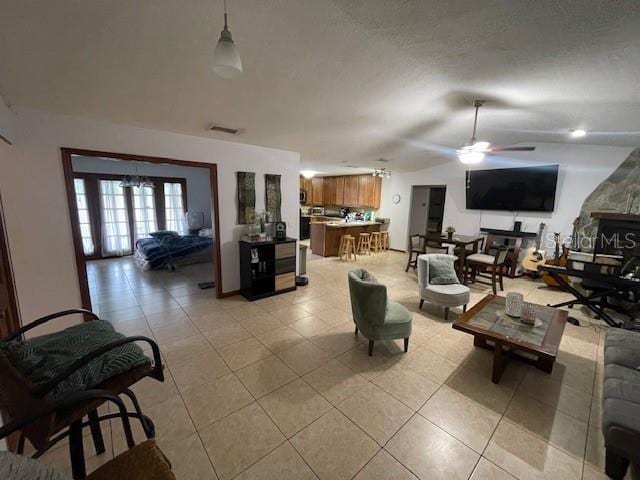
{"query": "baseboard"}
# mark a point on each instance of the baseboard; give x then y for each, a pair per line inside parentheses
(397, 250)
(230, 294)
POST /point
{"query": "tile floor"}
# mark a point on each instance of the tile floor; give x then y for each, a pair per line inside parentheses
(283, 389)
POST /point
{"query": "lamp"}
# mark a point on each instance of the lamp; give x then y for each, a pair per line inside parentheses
(226, 59)
(308, 173)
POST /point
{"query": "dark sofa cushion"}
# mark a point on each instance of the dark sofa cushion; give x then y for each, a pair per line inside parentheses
(622, 347)
(621, 426)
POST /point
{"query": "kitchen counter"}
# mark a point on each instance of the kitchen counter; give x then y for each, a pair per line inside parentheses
(325, 236)
(349, 225)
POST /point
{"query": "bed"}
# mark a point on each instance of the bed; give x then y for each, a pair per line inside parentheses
(169, 249)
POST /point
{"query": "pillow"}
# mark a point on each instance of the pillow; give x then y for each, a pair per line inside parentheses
(42, 358)
(441, 271)
(367, 277)
(160, 234)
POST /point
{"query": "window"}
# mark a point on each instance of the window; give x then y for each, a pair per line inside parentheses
(115, 220)
(144, 211)
(174, 207)
(88, 247)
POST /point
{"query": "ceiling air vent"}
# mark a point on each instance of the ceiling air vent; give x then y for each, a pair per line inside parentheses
(383, 160)
(218, 128)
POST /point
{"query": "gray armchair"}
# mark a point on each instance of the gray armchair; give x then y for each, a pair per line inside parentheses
(447, 294)
(375, 316)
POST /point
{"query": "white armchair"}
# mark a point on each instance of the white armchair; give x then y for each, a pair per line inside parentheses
(448, 295)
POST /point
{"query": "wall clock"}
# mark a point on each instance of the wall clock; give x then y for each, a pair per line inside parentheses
(395, 199)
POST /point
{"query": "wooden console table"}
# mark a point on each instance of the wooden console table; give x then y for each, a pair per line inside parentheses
(509, 238)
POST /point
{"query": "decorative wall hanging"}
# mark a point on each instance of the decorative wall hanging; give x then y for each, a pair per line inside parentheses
(246, 197)
(273, 197)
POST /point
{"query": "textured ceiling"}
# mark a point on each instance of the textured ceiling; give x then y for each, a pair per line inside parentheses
(343, 82)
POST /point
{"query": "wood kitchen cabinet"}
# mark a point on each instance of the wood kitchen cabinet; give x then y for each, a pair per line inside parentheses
(366, 187)
(329, 191)
(350, 197)
(340, 190)
(317, 183)
(362, 191)
(306, 185)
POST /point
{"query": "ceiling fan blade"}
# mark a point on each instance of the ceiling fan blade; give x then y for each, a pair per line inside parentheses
(512, 149)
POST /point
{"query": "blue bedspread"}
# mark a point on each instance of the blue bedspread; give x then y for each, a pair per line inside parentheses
(160, 252)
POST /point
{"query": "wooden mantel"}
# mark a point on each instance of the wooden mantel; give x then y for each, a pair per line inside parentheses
(620, 217)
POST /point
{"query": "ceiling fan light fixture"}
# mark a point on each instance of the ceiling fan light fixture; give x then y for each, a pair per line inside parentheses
(470, 157)
(577, 133)
(480, 146)
(226, 58)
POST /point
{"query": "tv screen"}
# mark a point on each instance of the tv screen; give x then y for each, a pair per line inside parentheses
(528, 189)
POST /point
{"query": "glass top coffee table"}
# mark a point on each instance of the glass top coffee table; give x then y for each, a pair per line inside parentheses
(493, 329)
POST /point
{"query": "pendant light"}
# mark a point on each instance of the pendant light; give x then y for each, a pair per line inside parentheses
(226, 59)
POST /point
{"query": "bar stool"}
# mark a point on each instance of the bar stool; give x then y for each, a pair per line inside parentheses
(347, 248)
(384, 240)
(364, 244)
(376, 241)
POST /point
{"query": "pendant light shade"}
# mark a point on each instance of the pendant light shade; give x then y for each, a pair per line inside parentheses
(227, 62)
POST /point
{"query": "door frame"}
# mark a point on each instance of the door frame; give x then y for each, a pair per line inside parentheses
(8, 267)
(81, 264)
(411, 207)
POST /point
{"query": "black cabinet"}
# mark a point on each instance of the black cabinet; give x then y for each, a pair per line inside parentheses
(267, 268)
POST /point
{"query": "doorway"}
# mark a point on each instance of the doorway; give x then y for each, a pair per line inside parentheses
(145, 230)
(9, 312)
(427, 209)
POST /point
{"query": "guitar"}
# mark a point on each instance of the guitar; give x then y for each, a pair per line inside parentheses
(535, 257)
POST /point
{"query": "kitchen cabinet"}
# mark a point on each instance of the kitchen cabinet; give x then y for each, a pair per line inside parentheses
(329, 191)
(360, 191)
(340, 190)
(316, 184)
(350, 197)
(366, 186)
(305, 185)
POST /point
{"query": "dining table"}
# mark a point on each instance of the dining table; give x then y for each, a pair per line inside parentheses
(460, 245)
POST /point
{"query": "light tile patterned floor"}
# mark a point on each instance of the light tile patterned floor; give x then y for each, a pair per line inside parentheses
(283, 389)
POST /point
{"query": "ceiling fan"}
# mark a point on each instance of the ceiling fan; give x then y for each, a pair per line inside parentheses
(474, 151)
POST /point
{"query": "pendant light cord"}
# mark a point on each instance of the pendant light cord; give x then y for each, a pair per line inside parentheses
(475, 122)
(225, 15)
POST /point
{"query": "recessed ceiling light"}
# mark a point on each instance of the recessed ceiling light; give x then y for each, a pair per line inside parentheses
(577, 133)
(308, 173)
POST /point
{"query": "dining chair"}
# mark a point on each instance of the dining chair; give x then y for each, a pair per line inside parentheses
(488, 265)
(417, 246)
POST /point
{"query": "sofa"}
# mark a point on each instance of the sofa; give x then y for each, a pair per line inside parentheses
(621, 401)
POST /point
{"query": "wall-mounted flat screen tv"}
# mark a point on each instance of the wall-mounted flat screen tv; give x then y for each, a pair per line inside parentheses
(527, 189)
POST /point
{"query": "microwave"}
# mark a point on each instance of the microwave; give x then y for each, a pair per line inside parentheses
(303, 197)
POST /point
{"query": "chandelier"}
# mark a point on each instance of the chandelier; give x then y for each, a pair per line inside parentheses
(382, 173)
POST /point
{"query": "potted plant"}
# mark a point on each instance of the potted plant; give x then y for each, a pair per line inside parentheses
(450, 231)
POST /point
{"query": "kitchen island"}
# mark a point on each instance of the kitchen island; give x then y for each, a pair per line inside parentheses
(325, 236)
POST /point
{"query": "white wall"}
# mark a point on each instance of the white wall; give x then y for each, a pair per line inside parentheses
(7, 123)
(198, 183)
(38, 224)
(582, 168)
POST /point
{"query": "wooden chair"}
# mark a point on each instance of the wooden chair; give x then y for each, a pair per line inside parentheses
(144, 461)
(494, 264)
(376, 241)
(66, 411)
(347, 248)
(384, 233)
(417, 247)
(364, 244)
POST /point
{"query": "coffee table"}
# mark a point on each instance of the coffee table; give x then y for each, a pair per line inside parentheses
(493, 329)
